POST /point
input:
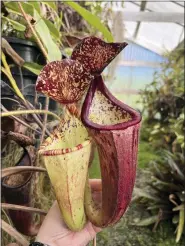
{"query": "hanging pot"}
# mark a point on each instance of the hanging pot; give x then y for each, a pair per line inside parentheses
(16, 189)
(66, 156)
(114, 127)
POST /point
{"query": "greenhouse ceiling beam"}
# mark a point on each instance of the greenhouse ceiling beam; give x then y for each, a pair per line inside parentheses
(153, 16)
(179, 4)
(142, 8)
(139, 64)
(137, 4)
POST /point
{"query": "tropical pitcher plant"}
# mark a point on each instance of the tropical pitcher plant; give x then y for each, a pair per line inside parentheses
(112, 125)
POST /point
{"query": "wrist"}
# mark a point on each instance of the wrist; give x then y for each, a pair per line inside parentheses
(39, 243)
(36, 243)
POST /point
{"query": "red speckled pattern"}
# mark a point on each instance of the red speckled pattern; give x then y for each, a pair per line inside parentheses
(64, 81)
(95, 54)
(117, 147)
(118, 159)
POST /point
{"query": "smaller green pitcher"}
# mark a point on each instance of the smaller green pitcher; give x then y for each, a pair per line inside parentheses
(66, 156)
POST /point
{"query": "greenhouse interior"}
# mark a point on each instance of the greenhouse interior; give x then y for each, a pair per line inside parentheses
(92, 123)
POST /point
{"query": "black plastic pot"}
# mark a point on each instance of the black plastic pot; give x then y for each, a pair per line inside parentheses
(30, 53)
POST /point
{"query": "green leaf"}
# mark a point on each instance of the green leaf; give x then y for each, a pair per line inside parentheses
(148, 221)
(180, 207)
(13, 7)
(142, 194)
(180, 227)
(53, 30)
(40, 27)
(54, 52)
(51, 5)
(175, 219)
(36, 5)
(92, 20)
(16, 25)
(33, 67)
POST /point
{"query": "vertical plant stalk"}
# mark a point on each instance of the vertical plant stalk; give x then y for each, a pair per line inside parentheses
(15, 234)
(33, 31)
(45, 121)
(47, 58)
(7, 72)
(94, 241)
(71, 110)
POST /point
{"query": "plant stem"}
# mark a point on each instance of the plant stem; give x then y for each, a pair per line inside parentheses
(20, 121)
(47, 58)
(7, 72)
(14, 233)
(94, 241)
(33, 31)
(7, 217)
(22, 208)
(45, 120)
(36, 117)
(36, 111)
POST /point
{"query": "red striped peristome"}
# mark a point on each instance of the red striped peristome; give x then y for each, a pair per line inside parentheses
(62, 151)
(117, 144)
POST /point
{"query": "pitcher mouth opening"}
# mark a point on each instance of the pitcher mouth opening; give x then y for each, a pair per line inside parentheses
(101, 118)
(26, 176)
(69, 137)
(43, 151)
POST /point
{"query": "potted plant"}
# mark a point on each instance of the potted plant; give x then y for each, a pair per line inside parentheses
(16, 33)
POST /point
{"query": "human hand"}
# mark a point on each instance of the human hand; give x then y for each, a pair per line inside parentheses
(54, 232)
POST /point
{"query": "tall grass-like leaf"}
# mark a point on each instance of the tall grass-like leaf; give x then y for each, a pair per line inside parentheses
(142, 194)
(148, 221)
(14, 233)
(33, 67)
(180, 207)
(36, 5)
(92, 20)
(51, 4)
(13, 7)
(53, 30)
(180, 227)
(54, 53)
(16, 25)
(40, 27)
